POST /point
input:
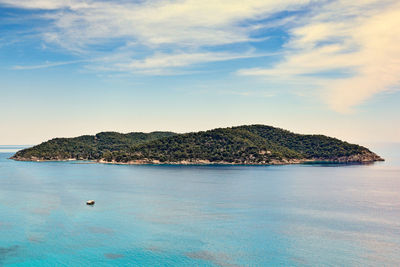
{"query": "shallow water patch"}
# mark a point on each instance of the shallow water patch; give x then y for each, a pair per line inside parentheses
(113, 256)
(8, 252)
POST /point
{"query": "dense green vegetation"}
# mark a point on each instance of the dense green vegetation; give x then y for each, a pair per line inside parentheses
(254, 144)
(88, 146)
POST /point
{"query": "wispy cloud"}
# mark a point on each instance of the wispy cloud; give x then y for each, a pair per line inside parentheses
(162, 63)
(357, 41)
(153, 35)
(47, 65)
(358, 37)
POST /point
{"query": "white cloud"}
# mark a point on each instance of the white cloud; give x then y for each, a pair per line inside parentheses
(152, 28)
(161, 63)
(44, 4)
(47, 65)
(361, 37)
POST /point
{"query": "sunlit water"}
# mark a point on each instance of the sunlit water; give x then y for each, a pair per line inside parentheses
(298, 215)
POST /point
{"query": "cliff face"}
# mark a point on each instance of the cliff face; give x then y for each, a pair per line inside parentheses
(253, 144)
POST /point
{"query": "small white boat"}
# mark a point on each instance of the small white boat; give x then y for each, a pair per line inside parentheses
(90, 202)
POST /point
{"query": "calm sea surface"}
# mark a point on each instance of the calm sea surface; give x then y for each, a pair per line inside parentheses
(298, 215)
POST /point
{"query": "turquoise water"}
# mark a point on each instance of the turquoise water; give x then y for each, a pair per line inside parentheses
(299, 215)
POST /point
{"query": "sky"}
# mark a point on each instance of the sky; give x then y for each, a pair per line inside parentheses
(71, 67)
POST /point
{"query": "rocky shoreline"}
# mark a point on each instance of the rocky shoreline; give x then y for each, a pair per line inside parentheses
(358, 158)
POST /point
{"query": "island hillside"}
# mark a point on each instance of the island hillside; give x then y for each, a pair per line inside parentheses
(250, 144)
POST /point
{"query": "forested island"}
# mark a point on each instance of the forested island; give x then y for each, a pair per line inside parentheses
(249, 144)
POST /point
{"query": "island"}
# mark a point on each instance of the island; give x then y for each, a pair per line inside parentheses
(247, 145)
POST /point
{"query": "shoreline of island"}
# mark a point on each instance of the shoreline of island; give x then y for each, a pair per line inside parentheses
(353, 159)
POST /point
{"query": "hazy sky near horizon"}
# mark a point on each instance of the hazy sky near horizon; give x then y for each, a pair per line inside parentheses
(71, 67)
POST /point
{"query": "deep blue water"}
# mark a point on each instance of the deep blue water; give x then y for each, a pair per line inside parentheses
(298, 215)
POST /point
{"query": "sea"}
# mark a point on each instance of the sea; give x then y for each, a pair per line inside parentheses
(169, 215)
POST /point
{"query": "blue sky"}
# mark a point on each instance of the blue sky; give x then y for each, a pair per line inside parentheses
(72, 67)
